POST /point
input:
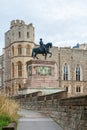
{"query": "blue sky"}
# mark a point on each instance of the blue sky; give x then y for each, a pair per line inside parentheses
(62, 22)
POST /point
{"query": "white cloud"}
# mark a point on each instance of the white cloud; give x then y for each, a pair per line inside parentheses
(59, 21)
(60, 9)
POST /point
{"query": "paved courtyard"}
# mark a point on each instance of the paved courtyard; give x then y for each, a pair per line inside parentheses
(32, 120)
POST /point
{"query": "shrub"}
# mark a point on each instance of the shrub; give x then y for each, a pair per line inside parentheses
(4, 120)
(8, 111)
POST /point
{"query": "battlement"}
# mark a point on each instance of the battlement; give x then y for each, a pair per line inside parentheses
(30, 24)
(19, 31)
(16, 23)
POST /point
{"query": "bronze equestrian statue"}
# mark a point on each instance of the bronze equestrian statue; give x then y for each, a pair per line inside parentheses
(43, 49)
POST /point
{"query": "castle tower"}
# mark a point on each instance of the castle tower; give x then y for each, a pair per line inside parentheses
(19, 41)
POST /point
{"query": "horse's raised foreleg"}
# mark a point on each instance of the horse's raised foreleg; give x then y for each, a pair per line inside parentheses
(36, 56)
(50, 54)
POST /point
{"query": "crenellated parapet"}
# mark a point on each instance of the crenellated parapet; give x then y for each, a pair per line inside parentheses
(16, 23)
(19, 32)
(19, 23)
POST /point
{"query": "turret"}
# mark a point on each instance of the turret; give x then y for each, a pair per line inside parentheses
(19, 32)
(16, 23)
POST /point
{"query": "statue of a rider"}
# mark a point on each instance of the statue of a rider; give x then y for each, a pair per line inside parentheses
(42, 46)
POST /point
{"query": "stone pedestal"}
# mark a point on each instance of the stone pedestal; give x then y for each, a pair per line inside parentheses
(42, 74)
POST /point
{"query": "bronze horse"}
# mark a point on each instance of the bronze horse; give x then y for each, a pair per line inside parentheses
(44, 51)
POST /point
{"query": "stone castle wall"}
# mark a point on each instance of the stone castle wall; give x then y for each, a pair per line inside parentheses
(70, 113)
(23, 34)
(19, 35)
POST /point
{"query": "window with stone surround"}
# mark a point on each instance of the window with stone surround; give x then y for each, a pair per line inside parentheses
(27, 50)
(78, 89)
(77, 72)
(12, 69)
(19, 33)
(19, 69)
(67, 88)
(12, 51)
(19, 50)
(65, 72)
(27, 34)
(19, 86)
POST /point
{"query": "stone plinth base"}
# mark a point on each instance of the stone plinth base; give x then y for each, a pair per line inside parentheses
(42, 74)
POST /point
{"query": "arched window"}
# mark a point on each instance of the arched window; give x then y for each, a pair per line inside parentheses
(77, 73)
(19, 69)
(19, 50)
(12, 69)
(27, 50)
(12, 50)
(65, 72)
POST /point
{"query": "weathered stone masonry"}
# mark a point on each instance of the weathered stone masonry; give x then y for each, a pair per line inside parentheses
(19, 42)
(70, 113)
